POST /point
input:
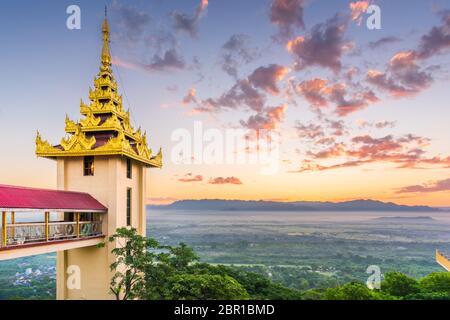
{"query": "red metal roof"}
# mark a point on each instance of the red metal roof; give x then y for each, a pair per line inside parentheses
(25, 199)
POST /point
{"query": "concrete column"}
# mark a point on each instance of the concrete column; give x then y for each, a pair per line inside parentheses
(61, 267)
(142, 201)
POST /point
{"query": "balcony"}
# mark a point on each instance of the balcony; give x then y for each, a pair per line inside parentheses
(31, 238)
(76, 222)
(20, 234)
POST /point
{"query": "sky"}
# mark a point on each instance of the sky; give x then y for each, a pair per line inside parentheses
(350, 111)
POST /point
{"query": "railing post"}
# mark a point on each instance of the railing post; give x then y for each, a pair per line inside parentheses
(4, 228)
(13, 221)
(47, 218)
(77, 217)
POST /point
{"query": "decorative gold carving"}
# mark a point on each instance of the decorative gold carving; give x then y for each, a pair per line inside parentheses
(106, 53)
(112, 122)
(125, 142)
(90, 120)
(119, 143)
(100, 82)
(71, 126)
(142, 147)
(43, 146)
(157, 160)
(137, 135)
(83, 107)
(78, 142)
(103, 108)
(126, 125)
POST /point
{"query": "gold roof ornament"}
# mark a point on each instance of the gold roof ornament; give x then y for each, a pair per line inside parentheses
(106, 54)
(106, 127)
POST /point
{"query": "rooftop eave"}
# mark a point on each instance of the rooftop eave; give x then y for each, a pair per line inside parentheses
(154, 162)
(77, 147)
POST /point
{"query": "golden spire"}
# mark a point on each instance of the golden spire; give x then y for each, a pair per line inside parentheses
(106, 55)
(106, 129)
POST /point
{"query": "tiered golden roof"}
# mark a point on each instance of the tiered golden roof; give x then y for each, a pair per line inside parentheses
(106, 128)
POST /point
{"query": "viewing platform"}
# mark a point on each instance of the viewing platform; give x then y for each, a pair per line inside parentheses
(78, 224)
(443, 260)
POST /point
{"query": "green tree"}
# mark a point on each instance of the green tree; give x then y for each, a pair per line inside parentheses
(436, 282)
(144, 269)
(206, 286)
(314, 294)
(399, 285)
(178, 275)
(350, 291)
(257, 285)
(132, 257)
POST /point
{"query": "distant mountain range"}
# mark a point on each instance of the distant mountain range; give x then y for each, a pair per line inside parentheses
(413, 219)
(239, 205)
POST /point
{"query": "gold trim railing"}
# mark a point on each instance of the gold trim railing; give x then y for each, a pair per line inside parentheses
(443, 260)
(24, 233)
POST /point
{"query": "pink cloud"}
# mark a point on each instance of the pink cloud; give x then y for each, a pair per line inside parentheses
(436, 186)
(310, 131)
(266, 78)
(287, 15)
(249, 93)
(187, 23)
(268, 119)
(437, 40)
(403, 76)
(189, 177)
(405, 151)
(314, 91)
(190, 97)
(322, 47)
(357, 10)
(170, 60)
(228, 180)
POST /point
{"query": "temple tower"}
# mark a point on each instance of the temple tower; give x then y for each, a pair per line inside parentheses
(102, 155)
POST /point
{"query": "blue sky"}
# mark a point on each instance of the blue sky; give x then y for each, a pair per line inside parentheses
(47, 68)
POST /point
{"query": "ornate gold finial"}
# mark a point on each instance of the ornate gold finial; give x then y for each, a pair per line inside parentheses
(106, 55)
(103, 116)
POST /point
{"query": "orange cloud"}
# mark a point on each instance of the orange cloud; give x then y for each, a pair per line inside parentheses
(323, 46)
(189, 177)
(266, 78)
(357, 9)
(314, 91)
(403, 76)
(436, 186)
(228, 180)
(406, 151)
(347, 99)
(203, 5)
(268, 119)
(190, 97)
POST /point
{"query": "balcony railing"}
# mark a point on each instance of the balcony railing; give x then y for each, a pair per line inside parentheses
(443, 260)
(26, 233)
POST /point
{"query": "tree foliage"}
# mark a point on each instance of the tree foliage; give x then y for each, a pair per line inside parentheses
(206, 286)
(399, 285)
(350, 291)
(144, 269)
(132, 256)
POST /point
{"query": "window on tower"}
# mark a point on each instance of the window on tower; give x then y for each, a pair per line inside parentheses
(88, 166)
(129, 168)
(129, 207)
